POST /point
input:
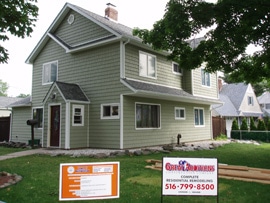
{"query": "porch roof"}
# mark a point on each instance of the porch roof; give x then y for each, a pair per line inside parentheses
(154, 91)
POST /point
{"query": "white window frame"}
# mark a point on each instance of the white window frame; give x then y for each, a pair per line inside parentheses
(111, 105)
(204, 76)
(203, 116)
(159, 114)
(75, 106)
(42, 118)
(250, 101)
(49, 72)
(141, 73)
(179, 117)
(180, 69)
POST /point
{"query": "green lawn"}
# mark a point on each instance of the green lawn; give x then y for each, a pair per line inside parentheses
(137, 184)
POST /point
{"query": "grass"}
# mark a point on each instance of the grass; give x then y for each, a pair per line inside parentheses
(137, 184)
(6, 150)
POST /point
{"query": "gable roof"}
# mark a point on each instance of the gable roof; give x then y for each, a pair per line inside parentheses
(119, 32)
(264, 98)
(69, 92)
(232, 95)
(163, 92)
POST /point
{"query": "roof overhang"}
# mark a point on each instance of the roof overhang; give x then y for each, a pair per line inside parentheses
(150, 93)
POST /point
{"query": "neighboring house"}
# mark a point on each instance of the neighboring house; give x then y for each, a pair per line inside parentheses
(5, 113)
(239, 101)
(5, 110)
(264, 101)
(96, 85)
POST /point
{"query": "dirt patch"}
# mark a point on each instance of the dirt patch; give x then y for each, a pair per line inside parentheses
(7, 179)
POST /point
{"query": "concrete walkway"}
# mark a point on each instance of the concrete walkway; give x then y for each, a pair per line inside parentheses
(22, 153)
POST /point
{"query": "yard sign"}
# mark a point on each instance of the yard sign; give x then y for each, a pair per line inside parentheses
(86, 181)
(189, 176)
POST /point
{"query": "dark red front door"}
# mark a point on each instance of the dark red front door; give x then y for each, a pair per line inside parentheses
(55, 126)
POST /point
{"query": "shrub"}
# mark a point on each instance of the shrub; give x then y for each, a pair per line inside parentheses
(261, 125)
(235, 125)
(244, 125)
(268, 124)
(252, 124)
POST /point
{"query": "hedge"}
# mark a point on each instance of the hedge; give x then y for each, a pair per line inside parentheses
(263, 136)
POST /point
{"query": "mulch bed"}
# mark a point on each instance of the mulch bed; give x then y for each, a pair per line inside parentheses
(7, 179)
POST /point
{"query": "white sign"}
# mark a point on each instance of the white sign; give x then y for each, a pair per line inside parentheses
(189, 176)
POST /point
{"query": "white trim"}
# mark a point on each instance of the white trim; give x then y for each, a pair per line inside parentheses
(199, 108)
(67, 126)
(121, 122)
(44, 64)
(82, 114)
(111, 116)
(152, 104)
(179, 108)
(148, 54)
(176, 73)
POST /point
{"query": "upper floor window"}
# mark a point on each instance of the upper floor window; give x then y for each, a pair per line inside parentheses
(77, 115)
(267, 106)
(147, 116)
(205, 78)
(147, 65)
(179, 113)
(50, 72)
(176, 68)
(250, 101)
(199, 116)
(109, 111)
(38, 115)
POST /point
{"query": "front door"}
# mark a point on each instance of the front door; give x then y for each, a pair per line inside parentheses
(55, 126)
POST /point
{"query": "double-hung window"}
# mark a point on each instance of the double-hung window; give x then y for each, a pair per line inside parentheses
(176, 68)
(38, 115)
(205, 78)
(147, 116)
(179, 113)
(110, 111)
(50, 72)
(148, 67)
(199, 116)
(77, 115)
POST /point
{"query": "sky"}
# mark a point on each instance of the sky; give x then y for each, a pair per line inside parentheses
(18, 74)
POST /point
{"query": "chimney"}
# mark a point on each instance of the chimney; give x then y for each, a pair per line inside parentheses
(111, 13)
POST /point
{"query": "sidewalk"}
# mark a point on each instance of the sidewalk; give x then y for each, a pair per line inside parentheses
(22, 153)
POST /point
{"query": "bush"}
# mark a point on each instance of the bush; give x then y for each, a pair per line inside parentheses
(244, 125)
(261, 125)
(252, 124)
(235, 125)
(268, 124)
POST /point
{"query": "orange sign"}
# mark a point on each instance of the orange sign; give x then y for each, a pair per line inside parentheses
(84, 181)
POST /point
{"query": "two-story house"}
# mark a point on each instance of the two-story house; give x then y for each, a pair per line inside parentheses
(264, 101)
(96, 85)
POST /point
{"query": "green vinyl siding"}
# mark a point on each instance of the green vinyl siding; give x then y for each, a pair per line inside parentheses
(79, 134)
(170, 127)
(165, 76)
(201, 90)
(21, 132)
(82, 30)
(187, 81)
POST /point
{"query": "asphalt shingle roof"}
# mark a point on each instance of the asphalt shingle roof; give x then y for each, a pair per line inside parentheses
(6, 102)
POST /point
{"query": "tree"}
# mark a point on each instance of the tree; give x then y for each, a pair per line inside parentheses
(235, 125)
(23, 95)
(244, 125)
(230, 25)
(261, 125)
(252, 124)
(17, 18)
(3, 88)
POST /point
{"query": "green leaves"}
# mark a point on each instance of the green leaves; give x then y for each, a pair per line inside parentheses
(231, 26)
(17, 17)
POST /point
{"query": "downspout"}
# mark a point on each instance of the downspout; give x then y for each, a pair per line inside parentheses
(122, 75)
